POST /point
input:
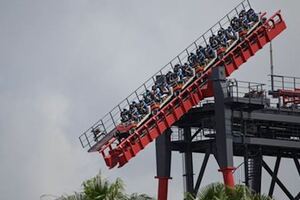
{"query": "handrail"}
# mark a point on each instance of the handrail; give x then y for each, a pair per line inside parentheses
(109, 121)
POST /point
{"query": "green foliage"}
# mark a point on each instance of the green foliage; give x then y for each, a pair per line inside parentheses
(218, 191)
(99, 188)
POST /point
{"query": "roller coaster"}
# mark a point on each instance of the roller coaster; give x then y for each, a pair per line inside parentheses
(166, 97)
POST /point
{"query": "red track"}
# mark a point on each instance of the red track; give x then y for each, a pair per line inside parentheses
(191, 96)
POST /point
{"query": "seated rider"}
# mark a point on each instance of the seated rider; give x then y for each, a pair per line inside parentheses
(210, 53)
(142, 107)
(187, 70)
(178, 71)
(244, 19)
(192, 59)
(222, 37)
(125, 116)
(236, 24)
(148, 97)
(230, 33)
(200, 52)
(171, 78)
(252, 16)
(134, 112)
(214, 42)
(165, 88)
(156, 94)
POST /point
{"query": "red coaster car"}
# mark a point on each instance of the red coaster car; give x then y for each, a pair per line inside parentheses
(123, 130)
(177, 88)
(126, 127)
(221, 51)
(199, 69)
(243, 33)
(154, 107)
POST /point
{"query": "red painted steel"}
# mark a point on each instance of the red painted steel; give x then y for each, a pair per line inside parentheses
(191, 96)
(228, 176)
(290, 96)
(162, 188)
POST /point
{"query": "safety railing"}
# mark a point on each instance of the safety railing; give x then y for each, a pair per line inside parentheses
(279, 82)
(109, 122)
(285, 91)
(246, 90)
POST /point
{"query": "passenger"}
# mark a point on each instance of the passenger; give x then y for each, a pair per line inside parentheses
(230, 33)
(252, 16)
(236, 24)
(187, 70)
(210, 53)
(222, 37)
(147, 97)
(165, 88)
(125, 116)
(157, 94)
(244, 20)
(200, 52)
(134, 112)
(214, 42)
(171, 78)
(178, 71)
(142, 107)
(192, 59)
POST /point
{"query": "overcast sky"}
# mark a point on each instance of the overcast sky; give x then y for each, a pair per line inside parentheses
(65, 63)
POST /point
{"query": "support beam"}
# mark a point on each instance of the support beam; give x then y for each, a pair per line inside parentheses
(297, 164)
(267, 142)
(276, 168)
(188, 161)
(163, 163)
(223, 119)
(297, 197)
(280, 184)
(201, 173)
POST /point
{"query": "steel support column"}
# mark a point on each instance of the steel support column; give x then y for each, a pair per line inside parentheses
(223, 117)
(188, 161)
(163, 163)
(256, 170)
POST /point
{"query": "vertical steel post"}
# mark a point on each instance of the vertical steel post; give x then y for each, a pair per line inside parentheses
(272, 67)
(163, 163)
(188, 161)
(224, 143)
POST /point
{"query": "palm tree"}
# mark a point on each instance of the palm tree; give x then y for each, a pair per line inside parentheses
(218, 191)
(136, 196)
(99, 188)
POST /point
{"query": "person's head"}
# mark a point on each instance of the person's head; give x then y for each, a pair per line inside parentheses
(242, 13)
(220, 32)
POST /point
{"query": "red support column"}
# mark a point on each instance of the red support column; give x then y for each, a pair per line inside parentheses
(228, 176)
(162, 188)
